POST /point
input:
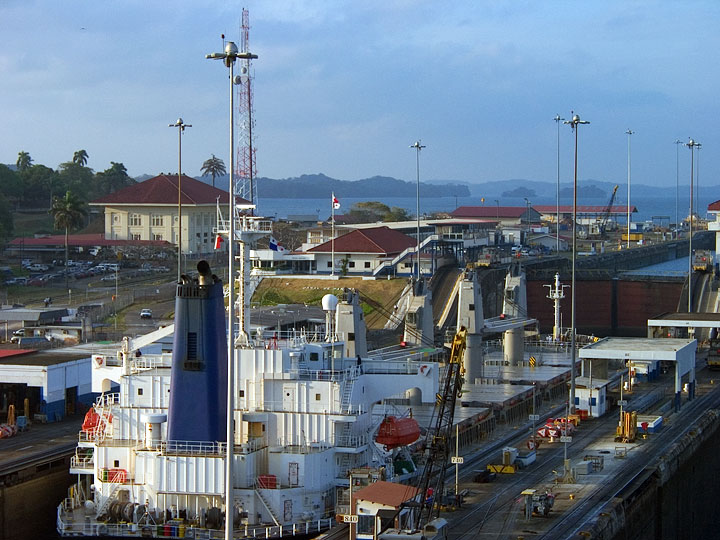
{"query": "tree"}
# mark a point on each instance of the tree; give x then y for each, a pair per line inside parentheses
(38, 183)
(76, 178)
(374, 211)
(213, 167)
(80, 158)
(112, 179)
(23, 161)
(68, 213)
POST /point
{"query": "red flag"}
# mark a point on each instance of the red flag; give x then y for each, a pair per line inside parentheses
(218, 241)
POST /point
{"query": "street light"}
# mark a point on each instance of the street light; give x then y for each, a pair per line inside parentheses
(678, 142)
(417, 146)
(181, 129)
(629, 133)
(527, 219)
(691, 144)
(228, 56)
(558, 119)
(574, 125)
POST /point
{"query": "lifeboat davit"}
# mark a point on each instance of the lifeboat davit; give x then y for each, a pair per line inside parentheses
(394, 432)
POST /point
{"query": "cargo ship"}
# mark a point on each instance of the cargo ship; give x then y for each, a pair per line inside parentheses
(153, 455)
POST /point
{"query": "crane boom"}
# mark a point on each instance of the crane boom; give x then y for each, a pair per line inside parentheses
(437, 440)
(606, 213)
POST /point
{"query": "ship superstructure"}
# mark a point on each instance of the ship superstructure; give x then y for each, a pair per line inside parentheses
(152, 451)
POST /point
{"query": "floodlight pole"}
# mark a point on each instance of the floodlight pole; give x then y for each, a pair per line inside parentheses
(574, 125)
(181, 128)
(558, 119)
(417, 146)
(228, 56)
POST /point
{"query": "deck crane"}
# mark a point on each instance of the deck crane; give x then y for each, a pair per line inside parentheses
(606, 213)
(437, 448)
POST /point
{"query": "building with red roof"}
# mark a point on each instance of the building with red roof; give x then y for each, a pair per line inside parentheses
(148, 211)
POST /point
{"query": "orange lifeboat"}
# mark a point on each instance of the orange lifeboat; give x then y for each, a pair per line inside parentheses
(394, 432)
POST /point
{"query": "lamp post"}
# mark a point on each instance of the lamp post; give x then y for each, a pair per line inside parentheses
(574, 125)
(228, 56)
(678, 142)
(417, 146)
(558, 119)
(527, 219)
(181, 129)
(691, 144)
(629, 133)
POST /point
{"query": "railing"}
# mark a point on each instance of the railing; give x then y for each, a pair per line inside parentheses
(67, 526)
(195, 448)
(105, 400)
(351, 441)
(78, 462)
(144, 363)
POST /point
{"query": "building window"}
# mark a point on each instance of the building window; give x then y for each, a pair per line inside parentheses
(135, 236)
(135, 220)
(158, 237)
(140, 391)
(317, 397)
(157, 221)
(314, 357)
(117, 463)
(367, 264)
(241, 393)
(329, 264)
(351, 264)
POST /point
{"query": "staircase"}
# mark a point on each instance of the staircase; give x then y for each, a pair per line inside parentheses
(390, 264)
(266, 504)
(110, 498)
(345, 403)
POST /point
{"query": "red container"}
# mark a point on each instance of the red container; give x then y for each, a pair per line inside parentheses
(267, 481)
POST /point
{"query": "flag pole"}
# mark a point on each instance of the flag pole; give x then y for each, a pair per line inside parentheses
(332, 235)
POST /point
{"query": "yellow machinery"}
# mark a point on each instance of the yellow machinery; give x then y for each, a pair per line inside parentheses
(627, 427)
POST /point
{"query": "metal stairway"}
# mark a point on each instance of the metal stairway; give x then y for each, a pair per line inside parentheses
(267, 506)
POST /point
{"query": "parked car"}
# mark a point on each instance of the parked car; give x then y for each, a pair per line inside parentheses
(146, 314)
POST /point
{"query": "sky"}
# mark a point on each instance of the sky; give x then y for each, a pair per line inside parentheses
(345, 87)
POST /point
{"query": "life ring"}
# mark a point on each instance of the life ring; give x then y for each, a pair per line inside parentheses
(99, 360)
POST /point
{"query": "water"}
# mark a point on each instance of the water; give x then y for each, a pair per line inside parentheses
(661, 210)
(678, 267)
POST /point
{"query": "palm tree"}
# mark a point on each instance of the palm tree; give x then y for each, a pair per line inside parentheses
(80, 158)
(213, 167)
(23, 161)
(69, 213)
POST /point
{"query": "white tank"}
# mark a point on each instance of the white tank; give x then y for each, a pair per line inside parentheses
(153, 429)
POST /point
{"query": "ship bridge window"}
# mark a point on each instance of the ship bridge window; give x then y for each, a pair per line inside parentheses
(192, 361)
(314, 357)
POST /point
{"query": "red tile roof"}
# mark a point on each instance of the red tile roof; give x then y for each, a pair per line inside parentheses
(380, 240)
(387, 493)
(489, 211)
(85, 240)
(583, 209)
(163, 189)
(714, 207)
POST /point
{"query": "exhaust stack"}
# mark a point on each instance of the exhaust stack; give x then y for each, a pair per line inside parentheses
(198, 399)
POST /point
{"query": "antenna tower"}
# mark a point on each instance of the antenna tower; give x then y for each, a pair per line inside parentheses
(245, 159)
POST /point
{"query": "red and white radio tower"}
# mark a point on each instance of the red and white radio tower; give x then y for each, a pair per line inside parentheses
(245, 170)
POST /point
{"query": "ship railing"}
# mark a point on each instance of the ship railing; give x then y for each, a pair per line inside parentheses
(194, 448)
(130, 530)
(351, 441)
(105, 400)
(82, 462)
(154, 361)
(297, 445)
(293, 339)
(335, 407)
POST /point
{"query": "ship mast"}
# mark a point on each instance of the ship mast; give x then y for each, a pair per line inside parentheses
(556, 293)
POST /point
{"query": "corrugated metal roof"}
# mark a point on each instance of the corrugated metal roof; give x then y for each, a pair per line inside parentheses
(387, 493)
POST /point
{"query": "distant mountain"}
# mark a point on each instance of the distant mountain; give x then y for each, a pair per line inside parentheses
(587, 189)
(317, 186)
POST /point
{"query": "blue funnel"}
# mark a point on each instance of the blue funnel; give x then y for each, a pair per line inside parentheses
(198, 384)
